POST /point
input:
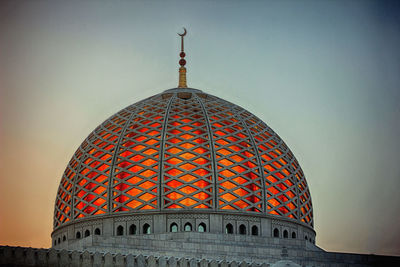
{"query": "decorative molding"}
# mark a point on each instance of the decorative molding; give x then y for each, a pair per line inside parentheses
(284, 224)
(241, 218)
(134, 218)
(89, 223)
(187, 216)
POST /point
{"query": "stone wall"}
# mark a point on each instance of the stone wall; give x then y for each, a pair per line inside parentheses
(21, 256)
(196, 245)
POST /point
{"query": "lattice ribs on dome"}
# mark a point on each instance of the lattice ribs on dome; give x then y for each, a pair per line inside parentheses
(181, 150)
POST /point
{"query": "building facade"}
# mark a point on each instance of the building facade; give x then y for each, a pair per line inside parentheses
(184, 178)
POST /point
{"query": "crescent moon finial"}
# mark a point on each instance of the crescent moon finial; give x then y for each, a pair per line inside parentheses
(182, 62)
(184, 32)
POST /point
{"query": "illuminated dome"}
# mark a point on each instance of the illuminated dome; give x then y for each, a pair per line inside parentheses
(183, 150)
(186, 166)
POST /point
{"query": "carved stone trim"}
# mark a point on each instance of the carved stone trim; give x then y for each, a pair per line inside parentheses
(187, 216)
(282, 223)
(241, 218)
(133, 218)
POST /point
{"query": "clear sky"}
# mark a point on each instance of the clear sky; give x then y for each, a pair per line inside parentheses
(325, 75)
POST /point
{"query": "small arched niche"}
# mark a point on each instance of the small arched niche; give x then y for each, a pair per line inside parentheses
(120, 230)
(87, 233)
(242, 229)
(173, 228)
(285, 234)
(146, 229)
(276, 232)
(202, 228)
(188, 227)
(229, 229)
(293, 234)
(132, 229)
(254, 230)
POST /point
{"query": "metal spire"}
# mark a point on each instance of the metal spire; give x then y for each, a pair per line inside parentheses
(182, 62)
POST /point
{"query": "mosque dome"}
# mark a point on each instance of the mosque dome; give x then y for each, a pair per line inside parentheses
(182, 161)
(182, 150)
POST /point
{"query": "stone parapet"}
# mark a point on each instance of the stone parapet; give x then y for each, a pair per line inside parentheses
(23, 256)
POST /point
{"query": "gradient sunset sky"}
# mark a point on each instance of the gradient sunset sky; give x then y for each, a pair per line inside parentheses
(325, 75)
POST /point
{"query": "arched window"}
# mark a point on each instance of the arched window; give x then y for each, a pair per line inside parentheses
(276, 232)
(78, 235)
(146, 229)
(132, 229)
(173, 228)
(242, 229)
(55, 242)
(305, 238)
(254, 230)
(188, 227)
(87, 233)
(293, 234)
(285, 234)
(97, 231)
(64, 238)
(59, 240)
(202, 228)
(229, 229)
(120, 230)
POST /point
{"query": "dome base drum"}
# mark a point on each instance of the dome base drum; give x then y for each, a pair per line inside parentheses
(213, 235)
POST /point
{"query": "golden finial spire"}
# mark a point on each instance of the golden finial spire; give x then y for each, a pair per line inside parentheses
(182, 62)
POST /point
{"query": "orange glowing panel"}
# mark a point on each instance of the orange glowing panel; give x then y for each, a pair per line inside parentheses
(147, 197)
(228, 185)
(134, 180)
(225, 162)
(174, 150)
(133, 204)
(188, 202)
(174, 172)
(201, 150)
(241, 204)
(134, 191)
(201, 161)
(150, 151)
(227, 173)
(228, 197)
(174, 183)
(187, 166)
(187, 178)
(174, 196)
(202, 196)
(273, 202)
(224, 152)
(186, 145)
(174, 161)
(187, 136)
(188, 190)
(237, 158)
(240, 192)
(147, 185)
